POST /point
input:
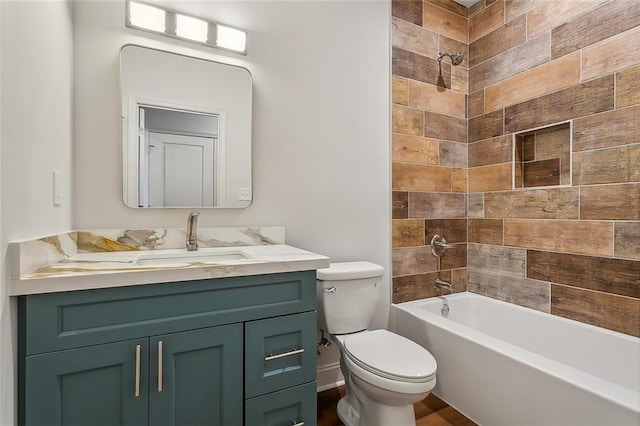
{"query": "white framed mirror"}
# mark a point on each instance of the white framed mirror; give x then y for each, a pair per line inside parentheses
(186, 131)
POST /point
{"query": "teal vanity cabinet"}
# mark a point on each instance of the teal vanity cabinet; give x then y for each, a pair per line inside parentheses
(226, 351)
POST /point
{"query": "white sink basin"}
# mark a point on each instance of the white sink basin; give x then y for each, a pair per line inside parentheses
(184, 256)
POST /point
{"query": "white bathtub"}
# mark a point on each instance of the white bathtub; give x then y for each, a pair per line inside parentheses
(502, 364)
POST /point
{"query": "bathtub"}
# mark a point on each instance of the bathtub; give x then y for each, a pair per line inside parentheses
(502, 364)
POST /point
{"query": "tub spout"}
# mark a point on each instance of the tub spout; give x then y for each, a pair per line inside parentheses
(443, 285)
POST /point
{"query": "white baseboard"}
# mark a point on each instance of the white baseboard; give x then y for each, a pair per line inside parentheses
(329, 377)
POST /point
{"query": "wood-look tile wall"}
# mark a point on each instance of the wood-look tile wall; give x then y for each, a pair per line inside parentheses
(429, 145)
(572, 250)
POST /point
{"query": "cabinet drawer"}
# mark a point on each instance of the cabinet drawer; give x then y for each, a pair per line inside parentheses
(66, 320)
(279, 353)
(292, 406)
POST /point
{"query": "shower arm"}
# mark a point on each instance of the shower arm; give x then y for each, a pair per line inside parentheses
(456, 58)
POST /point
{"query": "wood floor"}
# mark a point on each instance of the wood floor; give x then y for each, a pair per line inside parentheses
(431, 411)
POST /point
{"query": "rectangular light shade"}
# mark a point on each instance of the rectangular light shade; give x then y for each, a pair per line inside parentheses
(147, 17)
(192, 28)
(230, 38)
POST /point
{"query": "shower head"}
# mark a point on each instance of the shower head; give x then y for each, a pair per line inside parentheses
(456, 58)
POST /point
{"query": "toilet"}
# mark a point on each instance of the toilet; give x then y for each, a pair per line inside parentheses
(385, 373)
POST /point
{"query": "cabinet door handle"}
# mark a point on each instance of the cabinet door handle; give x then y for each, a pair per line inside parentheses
(297, 423)
(283, 355)
(160, 366)
(136, 390)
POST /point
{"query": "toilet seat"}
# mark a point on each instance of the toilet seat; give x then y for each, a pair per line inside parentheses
(391, 356)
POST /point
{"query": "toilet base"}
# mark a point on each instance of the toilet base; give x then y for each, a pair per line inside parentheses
(365, 411)
(347, 414)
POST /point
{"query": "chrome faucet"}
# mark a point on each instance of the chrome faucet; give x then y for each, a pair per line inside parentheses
(192, 225)
(443, 285)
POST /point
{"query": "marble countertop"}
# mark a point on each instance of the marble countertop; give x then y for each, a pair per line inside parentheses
(99, 270)
(91, 270)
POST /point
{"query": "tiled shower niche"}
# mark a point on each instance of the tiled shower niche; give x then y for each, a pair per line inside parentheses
(542, 157)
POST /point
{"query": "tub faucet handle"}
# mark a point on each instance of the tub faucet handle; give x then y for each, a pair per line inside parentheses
(439, 245)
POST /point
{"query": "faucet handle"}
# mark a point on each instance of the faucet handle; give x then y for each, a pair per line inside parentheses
(439, 245)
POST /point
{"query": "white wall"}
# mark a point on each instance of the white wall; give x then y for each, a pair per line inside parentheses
(320, 123)
(35, 138)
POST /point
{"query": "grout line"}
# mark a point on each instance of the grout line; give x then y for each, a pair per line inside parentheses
(581, 70)
(579, 202)
(504, 13)
(615, 90)
(613, 239)
(484, 101)
(590, 290)
(610, 147)
(526, 25)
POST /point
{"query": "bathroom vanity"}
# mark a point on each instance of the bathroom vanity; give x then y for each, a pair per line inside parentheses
(233, 349)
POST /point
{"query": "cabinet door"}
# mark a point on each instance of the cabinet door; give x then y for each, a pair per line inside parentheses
(279, 352)
(97, 385)
(196, 377)
(293, 406)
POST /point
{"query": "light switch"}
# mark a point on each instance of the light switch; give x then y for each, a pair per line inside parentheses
(57, 188)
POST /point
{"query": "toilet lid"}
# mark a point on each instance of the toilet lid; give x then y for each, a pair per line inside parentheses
(390, 355)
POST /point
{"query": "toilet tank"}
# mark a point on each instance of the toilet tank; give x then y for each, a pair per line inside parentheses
(348, 295)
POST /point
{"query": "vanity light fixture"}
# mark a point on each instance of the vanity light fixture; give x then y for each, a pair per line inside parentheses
(142, 16)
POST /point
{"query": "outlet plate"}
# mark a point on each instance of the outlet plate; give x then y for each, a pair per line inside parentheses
(244, 194)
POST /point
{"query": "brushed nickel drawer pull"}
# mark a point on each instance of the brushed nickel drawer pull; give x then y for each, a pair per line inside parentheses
(137, 381)
(283, 355)
(160, 366)
(329, 290)
(297, 424)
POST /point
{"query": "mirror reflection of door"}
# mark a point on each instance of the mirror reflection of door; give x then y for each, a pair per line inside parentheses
(180, 170)
(178, 158)
(194, 90)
